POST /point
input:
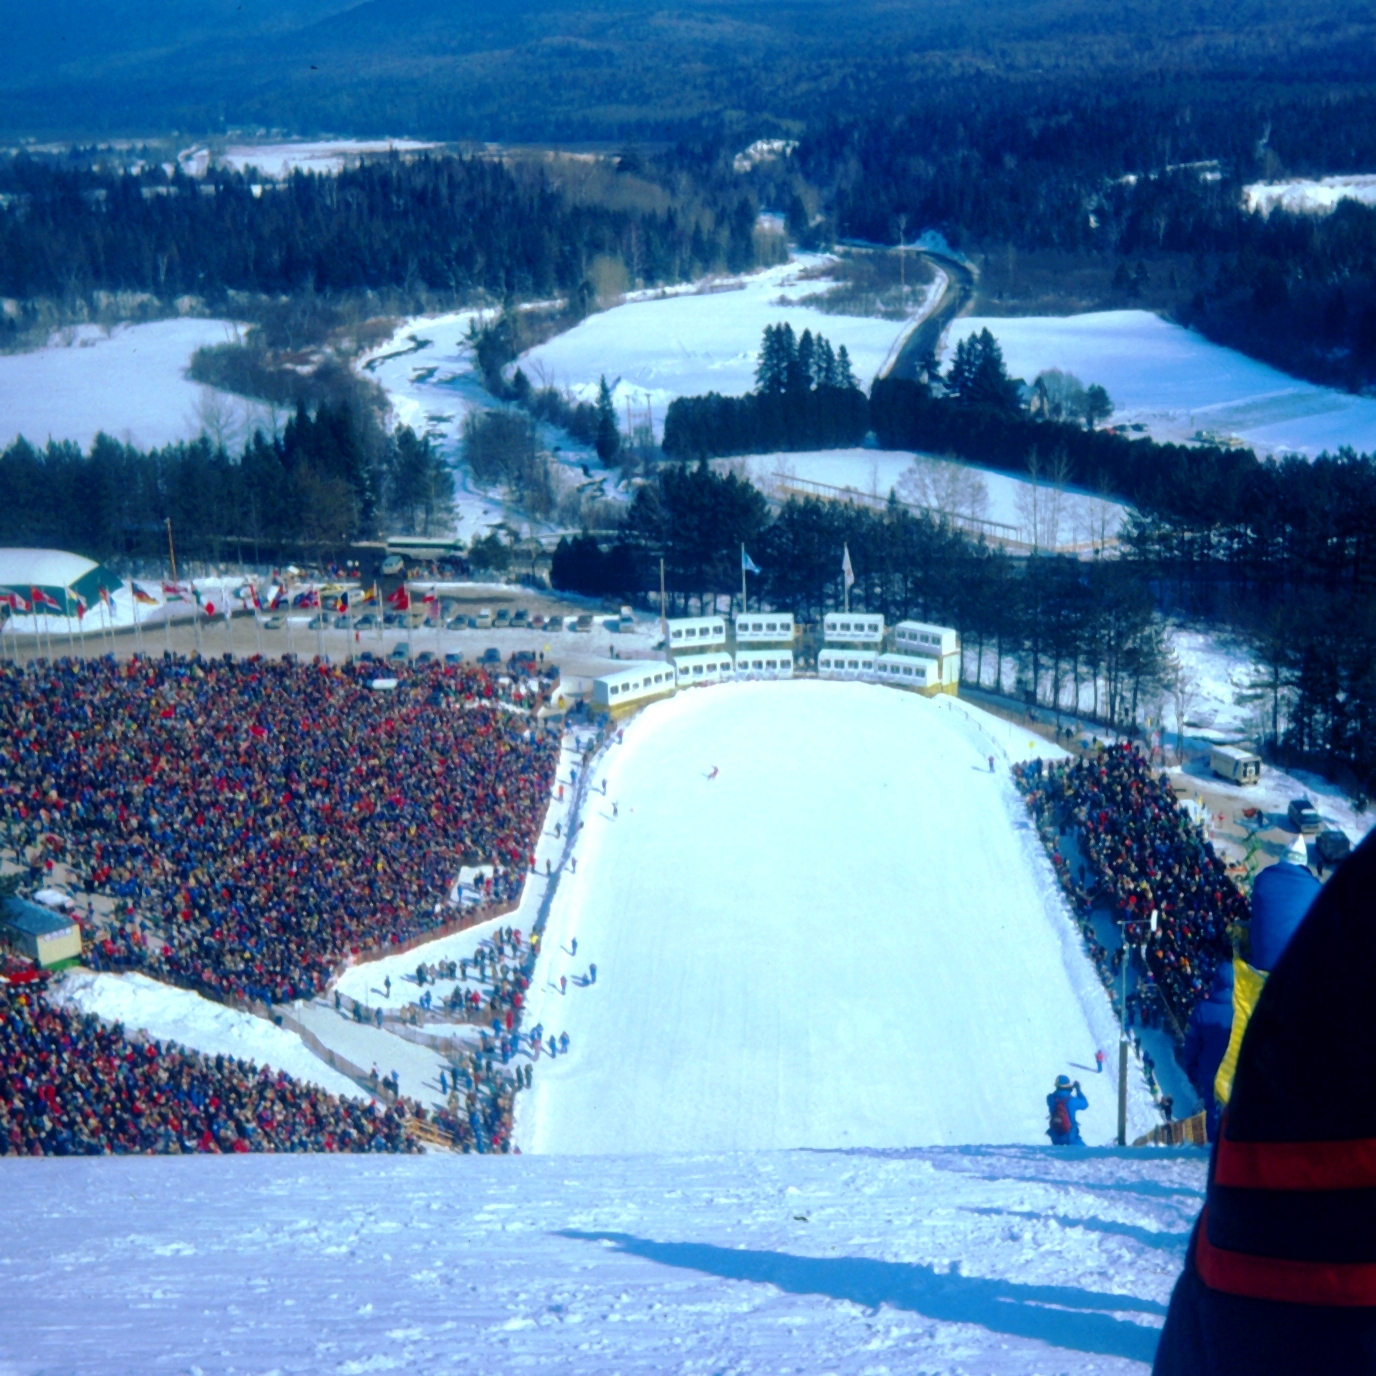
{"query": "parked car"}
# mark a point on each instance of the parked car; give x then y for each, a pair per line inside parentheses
(523, 662)
(456, 623)
(341, 622)
(366, 622)
(394, 619)
(503, 617)
(584, 623)
(1304, 817)
(1332, 847)
(483, 620)
(402, 650)
(537, 622)
(320, 622)
(491, 655)
(392, 565)
(520, 617)
(425, 657)
(275, 623)
(453, 657)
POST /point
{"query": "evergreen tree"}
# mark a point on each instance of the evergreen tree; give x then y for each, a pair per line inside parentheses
(608, 440)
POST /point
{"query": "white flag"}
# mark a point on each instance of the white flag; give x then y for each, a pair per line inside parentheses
(847, 572)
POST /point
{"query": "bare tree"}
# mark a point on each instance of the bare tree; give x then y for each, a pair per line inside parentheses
(1183, 685)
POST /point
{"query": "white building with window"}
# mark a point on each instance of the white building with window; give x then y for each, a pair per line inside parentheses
(764, 628)
(689, 633)
(709, 668)
(922, 640)
(834, 662)
(764, 663)
(853, 628)
(633, 685)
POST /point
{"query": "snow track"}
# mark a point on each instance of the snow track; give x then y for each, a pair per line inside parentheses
(851, 937)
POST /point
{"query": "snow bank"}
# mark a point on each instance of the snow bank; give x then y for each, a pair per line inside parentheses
(180, 1015)
(850, 937)
(280, 160)
(130, 382)
(1002, 1262)
(1178, 384)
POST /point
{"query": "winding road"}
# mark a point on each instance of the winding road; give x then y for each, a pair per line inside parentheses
(925, 337)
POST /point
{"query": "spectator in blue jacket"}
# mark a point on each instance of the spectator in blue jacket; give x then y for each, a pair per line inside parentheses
(1206, 1040)
(1062, 1104)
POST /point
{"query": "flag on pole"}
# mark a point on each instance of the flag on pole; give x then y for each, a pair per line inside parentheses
(748, 565)
(105, 597)
(80, 606)
(173, 592)
(401, 599)
(13, 601)
(42, 602)
(141, 595)
(847, 572)
(369, 596)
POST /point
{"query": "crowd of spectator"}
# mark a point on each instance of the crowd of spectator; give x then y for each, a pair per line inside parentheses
(71, 1085)
(258, 820)
(1145, 860)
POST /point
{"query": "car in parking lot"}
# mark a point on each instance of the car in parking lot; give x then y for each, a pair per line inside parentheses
(482, 621)
(394, 619)
(275, 623)
(520, 617)
(425, 657)
(320, 622)
(537, 622)
(523, 662)
(1304, 817)
(491, 655)
(341, 622)
(402, 650)
(584, 623)
(366, 622)
(457, 623)
(503, 617)
(453, 657)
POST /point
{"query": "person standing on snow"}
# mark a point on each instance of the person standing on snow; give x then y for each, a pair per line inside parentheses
(991, 764)
(1099, 1062)
(592, 974)
(1062, 1104)
(563, 984)
(573, 946)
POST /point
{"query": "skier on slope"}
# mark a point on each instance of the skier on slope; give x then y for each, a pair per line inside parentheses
(1062, 1104)
(714, 773)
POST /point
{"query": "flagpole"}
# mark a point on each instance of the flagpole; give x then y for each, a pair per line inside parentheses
(166, 622)
(138, 625)
(319, 632)
(743, 606)
(229, 626)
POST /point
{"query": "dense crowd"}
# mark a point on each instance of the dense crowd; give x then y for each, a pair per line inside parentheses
(258, 820)
(1144, 859)
(71, 1085)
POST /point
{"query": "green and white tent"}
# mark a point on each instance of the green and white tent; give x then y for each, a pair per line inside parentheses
(59, 575)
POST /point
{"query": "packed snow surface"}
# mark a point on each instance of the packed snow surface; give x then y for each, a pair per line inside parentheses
(941, 1261)
(129, 382)
(1177, 384)
(181, 1015)
(679, 343)
(850, 936)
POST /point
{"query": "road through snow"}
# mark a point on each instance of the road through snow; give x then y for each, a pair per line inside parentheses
(850, 937)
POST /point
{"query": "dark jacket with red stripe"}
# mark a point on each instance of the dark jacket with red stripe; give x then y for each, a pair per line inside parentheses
(1281, 1272)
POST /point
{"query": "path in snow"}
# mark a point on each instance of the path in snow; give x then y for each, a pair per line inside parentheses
(1003, 1263)
(851, 937)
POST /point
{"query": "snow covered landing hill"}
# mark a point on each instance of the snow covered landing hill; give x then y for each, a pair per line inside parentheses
(850, 937)
(940, 1262)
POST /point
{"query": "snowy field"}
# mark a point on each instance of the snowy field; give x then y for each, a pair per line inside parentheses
(1063, 517)
(1177, 384)
(851, 937)
(1310, 196)
(1000, 1262)
(130, 382)
(329, 156)
(687, 343)
(181, 1015)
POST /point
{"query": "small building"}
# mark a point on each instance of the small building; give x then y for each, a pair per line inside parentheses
(764, 663)
(922, 640)
(1235, 763)
(843, 663)
(690, 633)
(708, 668)
(50, 938)
(909, 671)
(632, 686)
(853, 628)
(764, 628)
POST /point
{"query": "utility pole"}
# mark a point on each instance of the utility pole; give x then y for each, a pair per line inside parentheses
(663, 608)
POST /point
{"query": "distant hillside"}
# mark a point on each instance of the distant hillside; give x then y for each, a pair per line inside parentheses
(536, 69)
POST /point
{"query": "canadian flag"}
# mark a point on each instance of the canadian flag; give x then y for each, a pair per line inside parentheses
(11, 599)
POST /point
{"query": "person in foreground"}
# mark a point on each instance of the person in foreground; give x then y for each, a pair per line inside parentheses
(1062, 1104)
(1280, 1274)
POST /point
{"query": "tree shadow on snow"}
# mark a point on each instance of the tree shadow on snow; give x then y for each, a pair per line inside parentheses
(1162, 1241)
(1061, 1316)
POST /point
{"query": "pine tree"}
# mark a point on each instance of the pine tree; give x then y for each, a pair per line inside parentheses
(845, 377)
(608, 440)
